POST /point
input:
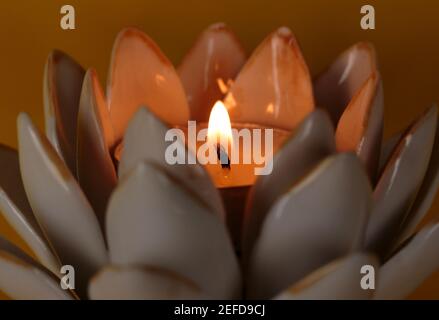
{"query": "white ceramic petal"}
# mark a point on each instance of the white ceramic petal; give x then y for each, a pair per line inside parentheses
(153, 220)
(62, 88)
(213, 61)
(274, 86)
(312, 141)
(320, 219)
(425, 196)
(387, 149)
(145, 140)
(22, 279)
(336, 87)
(400, 181)
(16, 209)
(95, 167)
(361, 124)
(12, 249)
(58, 203)
(140, 74)
(338, 280)
(406, 270)
(141, 283)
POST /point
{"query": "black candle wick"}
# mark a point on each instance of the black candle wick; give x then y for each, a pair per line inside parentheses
(222, 157)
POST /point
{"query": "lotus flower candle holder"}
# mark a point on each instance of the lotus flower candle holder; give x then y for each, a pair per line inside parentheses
(96, 193)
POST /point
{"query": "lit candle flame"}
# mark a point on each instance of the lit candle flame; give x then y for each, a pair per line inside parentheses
(219, 124)
(219, 131)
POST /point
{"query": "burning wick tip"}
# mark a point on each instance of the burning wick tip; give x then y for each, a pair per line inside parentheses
(223, 157)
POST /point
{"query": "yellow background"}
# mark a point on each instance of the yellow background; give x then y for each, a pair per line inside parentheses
(406, 39)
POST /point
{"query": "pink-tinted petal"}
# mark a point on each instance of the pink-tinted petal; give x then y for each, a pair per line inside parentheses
(141, 75)
(405, 271)
(400, 182)
(361, 124)
(62, 89)
(145, 141)
(425, 196)
(312, 141)
(17, 211)
(154, 220)
(95, 167)
(274, 86)
(59, 205)
(23, 278)
(337, 280)
(142, 283)
(208, 68)
(336, 87)
(318, 220)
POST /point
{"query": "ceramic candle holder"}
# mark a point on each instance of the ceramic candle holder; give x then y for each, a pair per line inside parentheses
(95, 191)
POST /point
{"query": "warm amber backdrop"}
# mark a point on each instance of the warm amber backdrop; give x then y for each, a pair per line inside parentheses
(406, 40)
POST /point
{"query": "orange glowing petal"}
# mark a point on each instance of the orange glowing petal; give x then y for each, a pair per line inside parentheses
(360, 126)
(141, 75)
(337, 86)
(276, 74)
(217, 55)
